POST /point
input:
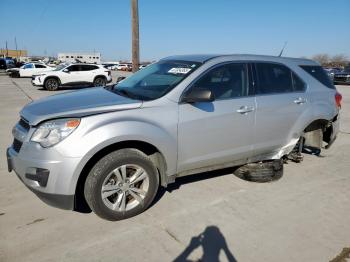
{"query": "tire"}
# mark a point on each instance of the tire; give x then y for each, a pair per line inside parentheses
(110, 178)
(15, 75)
(100, 81)
(261, 172)
(51, 84)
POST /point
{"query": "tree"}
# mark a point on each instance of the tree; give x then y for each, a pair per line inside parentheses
(323, 59)
(339, 60)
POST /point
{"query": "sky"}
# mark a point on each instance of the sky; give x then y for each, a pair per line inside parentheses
(171, 27)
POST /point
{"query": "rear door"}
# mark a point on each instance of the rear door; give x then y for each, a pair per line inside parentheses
(88, 73)
(281, 100)
(218, 132)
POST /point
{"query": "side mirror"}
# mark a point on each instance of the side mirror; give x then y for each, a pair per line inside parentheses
(65, 70)
(198, 95)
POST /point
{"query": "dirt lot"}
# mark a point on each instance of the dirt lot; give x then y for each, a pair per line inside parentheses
(304, 216)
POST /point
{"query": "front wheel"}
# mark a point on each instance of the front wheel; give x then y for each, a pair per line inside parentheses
(14, 75)
(51, 84)
(121, 185)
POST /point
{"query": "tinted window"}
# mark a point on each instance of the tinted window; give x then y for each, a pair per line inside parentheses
(39, 66)
(320, 74)
(225, 81)
(88, 67)
(299, 85)
(273, 78)
(74, 68)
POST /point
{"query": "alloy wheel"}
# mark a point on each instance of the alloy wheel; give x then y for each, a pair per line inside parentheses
(125, 188)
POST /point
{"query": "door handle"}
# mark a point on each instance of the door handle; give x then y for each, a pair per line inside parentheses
(245, 109)
(300, 101)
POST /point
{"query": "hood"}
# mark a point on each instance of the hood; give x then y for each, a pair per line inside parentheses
(77, 104)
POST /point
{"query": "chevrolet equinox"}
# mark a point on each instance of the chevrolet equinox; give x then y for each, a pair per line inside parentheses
(110, 148)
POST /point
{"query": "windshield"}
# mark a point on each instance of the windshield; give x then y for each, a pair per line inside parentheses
(155, 80)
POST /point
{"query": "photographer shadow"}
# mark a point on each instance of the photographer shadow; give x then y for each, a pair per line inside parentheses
(212, 242)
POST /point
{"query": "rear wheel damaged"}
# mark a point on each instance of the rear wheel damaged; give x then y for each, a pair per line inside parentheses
(261, 172)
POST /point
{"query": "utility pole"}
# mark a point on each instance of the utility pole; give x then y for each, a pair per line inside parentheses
(7, 51)
(135, 35)
(16, 48)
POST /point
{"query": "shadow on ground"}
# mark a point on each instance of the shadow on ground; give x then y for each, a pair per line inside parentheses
(212, 242)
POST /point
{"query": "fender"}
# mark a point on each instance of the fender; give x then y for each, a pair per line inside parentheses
(102, 76)
(55, 77)
(94, 139)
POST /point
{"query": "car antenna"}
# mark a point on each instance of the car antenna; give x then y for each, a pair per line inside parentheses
(285, 43)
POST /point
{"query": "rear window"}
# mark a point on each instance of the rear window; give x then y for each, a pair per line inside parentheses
(320, 74)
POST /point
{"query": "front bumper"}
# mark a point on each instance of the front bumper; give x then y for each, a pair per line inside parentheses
(48, 179)
(341, 80)
(37, 81)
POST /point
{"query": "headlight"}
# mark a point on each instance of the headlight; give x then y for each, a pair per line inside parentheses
(52, 132)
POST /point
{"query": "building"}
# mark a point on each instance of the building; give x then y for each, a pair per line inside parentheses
(91, 58)
(12, 53)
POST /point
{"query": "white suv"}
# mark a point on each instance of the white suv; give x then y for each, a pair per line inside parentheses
(73, 74)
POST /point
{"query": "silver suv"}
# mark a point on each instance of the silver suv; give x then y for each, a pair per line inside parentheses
(109, 149)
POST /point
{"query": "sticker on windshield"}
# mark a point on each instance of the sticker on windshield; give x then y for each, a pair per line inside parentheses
(179, 70)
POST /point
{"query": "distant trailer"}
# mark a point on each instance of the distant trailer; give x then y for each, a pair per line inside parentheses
(90, 58)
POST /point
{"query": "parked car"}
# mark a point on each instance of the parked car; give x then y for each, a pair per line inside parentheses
(110, 66)
(29, 69)
(124, 67)
(6, 63)
(72, 75)
(120, 66)
(331, 71)
(109, 149)
(342, 77)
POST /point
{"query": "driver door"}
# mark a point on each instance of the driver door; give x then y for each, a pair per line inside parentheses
(27, 70)
(222, 131)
